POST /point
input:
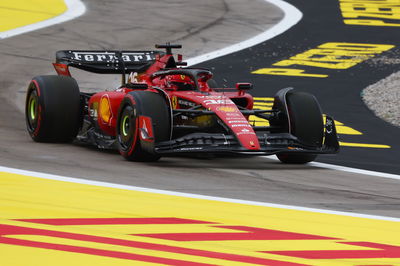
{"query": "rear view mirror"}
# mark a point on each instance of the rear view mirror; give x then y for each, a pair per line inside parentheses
(244, 86)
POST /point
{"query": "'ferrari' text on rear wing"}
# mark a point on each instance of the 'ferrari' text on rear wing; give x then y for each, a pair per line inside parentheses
(108, 62)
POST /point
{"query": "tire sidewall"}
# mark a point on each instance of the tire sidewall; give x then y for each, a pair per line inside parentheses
(128, 107)
(59, 108)
(150, 104)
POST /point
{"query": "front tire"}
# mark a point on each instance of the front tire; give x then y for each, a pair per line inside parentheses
(52, 109)
(135, 106)
(306, 123)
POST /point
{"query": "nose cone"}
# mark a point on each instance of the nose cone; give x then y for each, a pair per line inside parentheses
(228, 112)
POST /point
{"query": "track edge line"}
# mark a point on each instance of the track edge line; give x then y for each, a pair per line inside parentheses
(189, 195)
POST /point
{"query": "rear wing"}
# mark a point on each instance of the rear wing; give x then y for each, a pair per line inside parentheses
(106, 62)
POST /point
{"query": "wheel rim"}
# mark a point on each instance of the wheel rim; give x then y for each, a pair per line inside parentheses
(126, 128)
(33, 111)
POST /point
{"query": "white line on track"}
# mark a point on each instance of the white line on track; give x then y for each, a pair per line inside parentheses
(291, 17)
(188, 195)
(355, 170)
(346, 169)
(75, 8)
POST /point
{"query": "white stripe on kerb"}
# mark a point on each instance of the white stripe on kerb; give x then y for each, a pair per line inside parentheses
(188, 195)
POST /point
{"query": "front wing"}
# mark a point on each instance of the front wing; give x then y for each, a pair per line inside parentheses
(270, 143)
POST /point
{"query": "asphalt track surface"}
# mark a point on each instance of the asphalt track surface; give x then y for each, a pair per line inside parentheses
(339, 93)
(250, 179)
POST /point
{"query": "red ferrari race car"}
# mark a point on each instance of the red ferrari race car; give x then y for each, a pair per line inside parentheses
(164, 108)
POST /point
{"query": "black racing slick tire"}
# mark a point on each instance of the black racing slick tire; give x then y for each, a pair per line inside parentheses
(306, 123)
(53, 109)
(135, 106)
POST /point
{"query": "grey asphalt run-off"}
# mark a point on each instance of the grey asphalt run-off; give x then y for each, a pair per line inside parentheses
(201, 26)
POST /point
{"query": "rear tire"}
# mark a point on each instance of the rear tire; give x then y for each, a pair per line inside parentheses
(148, 104)
(306, 123)
(52, 109)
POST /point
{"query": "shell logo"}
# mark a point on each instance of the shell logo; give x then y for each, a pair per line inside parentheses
(105, 109)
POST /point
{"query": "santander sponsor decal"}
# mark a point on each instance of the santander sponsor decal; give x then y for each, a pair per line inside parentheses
(220, 102)
(236, 121)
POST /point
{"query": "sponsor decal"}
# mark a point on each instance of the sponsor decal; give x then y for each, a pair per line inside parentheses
(329, 126)
(93, 110)
(105, 110)
(186, 103)
(234, 115)
(237, 121)
(210, 96)
(109, 57)
(221, 101)
(245, 133)
(174, 102)
(191, 149)
(241, 125)
(295, 148)
(146, 129)
(133, 77)
(227, 109)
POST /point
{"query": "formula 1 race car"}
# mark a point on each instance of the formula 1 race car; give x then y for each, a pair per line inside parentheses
(165, 108)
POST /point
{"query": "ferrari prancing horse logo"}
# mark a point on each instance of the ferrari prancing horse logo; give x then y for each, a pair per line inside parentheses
(174, 102)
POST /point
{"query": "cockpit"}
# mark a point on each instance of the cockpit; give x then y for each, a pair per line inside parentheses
(185, 79)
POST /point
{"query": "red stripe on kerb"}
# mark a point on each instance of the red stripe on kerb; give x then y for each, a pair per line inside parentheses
(111, 221)
(251, 233)
(379, 251)
(19, 230)
(100, 252)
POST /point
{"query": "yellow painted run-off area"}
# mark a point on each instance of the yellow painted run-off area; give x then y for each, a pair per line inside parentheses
(15, 14)
(51, 222)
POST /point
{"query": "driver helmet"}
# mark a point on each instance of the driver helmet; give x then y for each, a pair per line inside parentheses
(181, 82)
